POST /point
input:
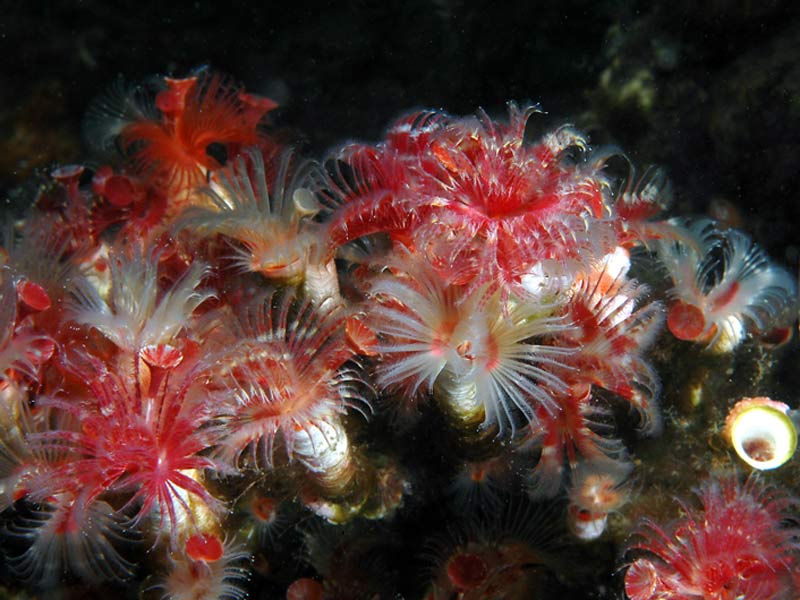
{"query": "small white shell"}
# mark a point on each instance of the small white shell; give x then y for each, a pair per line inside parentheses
(761, 432)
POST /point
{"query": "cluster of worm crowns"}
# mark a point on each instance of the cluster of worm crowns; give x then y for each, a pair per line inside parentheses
(206, 338)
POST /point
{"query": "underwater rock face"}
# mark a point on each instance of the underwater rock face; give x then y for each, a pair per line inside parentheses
(219, 357)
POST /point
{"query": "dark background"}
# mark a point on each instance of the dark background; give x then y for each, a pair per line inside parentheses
(709, 89)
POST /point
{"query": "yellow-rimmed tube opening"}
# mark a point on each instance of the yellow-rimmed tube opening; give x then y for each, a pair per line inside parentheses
(761, 432)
